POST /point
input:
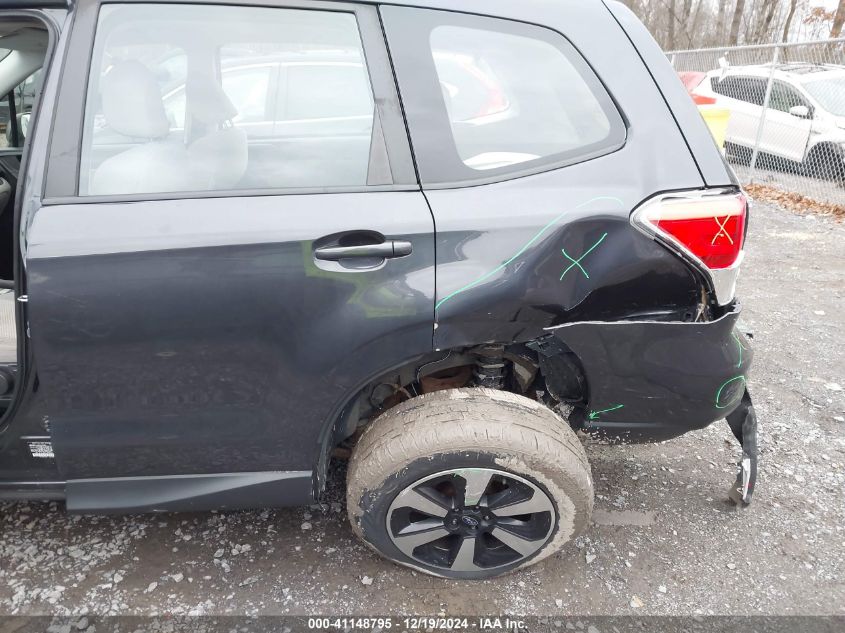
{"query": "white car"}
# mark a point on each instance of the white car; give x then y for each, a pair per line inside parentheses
(805, 120)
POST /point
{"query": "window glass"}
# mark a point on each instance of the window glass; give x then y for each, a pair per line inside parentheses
(326, 90)
(748, 89)
(783, 97)
(512, 99)
(722, 86)
(752, 90)
(830, 93)
(248, 88)
(13, 133)
(188, 97)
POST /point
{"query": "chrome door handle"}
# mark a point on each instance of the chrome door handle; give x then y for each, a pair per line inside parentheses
(385, 250)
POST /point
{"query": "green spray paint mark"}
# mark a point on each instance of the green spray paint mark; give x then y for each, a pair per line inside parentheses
(594, 414)
(722, 386)
(741, 347)
(577, 262)
(524, 248)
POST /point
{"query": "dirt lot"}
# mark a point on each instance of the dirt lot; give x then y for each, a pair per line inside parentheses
(664, 540)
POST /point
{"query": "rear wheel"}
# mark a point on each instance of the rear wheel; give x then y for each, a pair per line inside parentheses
(469, 483)
(825, 162)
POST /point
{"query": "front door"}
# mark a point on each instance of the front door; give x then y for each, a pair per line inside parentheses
(785, 134)
(242, 243)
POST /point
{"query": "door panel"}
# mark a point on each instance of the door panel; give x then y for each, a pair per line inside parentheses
(202, 336)
(744, 97)
(743, 123)
(179, 331)
(784, 134)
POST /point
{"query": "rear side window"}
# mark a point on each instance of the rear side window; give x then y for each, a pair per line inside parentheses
(489, 99)
(748, 89)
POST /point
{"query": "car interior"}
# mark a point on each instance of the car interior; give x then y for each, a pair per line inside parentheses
(231, 102)
(23, 48)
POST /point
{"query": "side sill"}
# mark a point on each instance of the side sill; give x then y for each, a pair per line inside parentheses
(32, 491)
(188, 493)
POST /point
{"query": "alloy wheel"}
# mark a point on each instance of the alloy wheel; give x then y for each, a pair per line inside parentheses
(471, 519)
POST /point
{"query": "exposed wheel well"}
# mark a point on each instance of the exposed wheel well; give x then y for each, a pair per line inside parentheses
(516, 368)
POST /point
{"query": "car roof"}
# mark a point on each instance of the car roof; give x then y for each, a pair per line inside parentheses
(471, 6)
(795, 71)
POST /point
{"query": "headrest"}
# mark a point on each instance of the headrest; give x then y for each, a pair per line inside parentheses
(132, 101)
(207, 102)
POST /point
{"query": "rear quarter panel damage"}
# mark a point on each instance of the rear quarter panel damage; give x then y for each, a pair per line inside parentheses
(653, 381)
(535, 268)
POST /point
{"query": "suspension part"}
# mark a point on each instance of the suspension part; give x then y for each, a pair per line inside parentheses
(489, 368)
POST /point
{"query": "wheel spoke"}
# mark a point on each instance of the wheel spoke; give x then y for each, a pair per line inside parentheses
(521, 545)
(537, 503)
(475, 484)
(414, 499)
(410, 538)
(465, 558)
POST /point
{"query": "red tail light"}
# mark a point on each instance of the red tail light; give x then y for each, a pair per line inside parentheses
(709, 226)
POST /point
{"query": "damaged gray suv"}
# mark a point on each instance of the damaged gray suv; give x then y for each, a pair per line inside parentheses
(438, 240)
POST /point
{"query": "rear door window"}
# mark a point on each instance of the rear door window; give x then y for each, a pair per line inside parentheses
(187, 97)
(492, 99)
(748, 89)
(325, 91)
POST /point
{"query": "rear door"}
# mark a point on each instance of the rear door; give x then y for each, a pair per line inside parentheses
(217, 330)
(744, 98)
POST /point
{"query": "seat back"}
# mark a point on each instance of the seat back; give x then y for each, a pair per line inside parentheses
(133, 107)
(221, 152)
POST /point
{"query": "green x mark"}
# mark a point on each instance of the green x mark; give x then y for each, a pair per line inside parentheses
(577, 262)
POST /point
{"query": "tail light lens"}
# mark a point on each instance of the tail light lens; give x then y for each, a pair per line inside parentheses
(708, 226)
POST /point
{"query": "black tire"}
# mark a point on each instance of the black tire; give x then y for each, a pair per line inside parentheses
(825, 163)
(449, 438)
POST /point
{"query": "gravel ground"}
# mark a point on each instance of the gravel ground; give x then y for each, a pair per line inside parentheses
(815, 188)
(663, 541)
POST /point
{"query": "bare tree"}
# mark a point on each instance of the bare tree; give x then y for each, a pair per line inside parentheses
(819, 22)
(670, 37)
(765, 24)
(721, 18)
(787, 26)
(838, 20)
(736, 21)
(679, 24)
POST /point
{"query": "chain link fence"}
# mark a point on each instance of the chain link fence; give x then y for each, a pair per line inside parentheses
(786, 128)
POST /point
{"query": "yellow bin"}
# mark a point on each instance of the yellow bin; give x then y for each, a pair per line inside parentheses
(717, 120)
